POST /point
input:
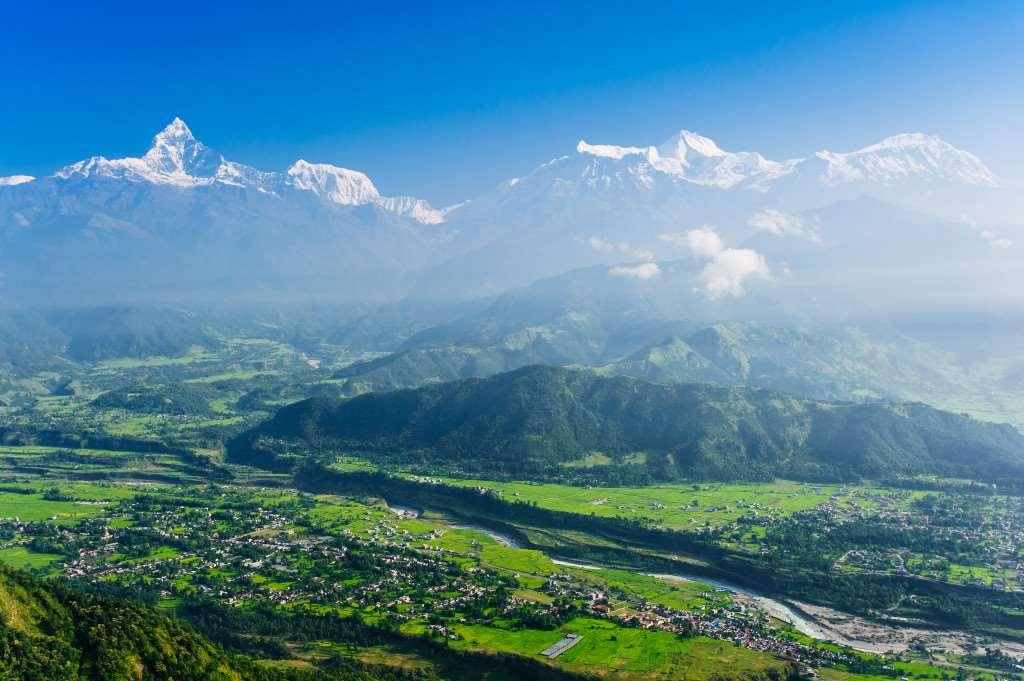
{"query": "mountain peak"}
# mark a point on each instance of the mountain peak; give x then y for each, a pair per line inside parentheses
(679, 145)
(176, 129)
(694, 158)
(353, 188)
(909, 139)
(175, 151)
(684, 146)
(700, 160)
(340, 185)
(608, 150)
(176, 158)
(909, 154)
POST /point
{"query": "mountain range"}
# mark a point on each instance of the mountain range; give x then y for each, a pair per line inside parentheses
(176, 158)
(588, 318)
(182, 223)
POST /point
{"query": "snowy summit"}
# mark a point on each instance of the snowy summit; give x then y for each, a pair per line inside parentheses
(694, 158)
(177, 159)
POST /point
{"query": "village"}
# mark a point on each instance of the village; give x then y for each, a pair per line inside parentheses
(226, 548)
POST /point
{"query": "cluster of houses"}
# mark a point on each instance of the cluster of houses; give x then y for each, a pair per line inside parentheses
(719, 618)
(243, 554)
(255, 555)
(992, 528)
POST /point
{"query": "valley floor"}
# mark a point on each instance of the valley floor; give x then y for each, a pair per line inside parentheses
(242, 547)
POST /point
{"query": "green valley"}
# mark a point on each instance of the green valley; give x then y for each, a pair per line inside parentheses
(459, 530)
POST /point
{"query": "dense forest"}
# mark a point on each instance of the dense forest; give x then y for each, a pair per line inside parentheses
(540, 422)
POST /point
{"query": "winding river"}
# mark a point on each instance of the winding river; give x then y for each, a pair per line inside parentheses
(835, 626)
(770, 606)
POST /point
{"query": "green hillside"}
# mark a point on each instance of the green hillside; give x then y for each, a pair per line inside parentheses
(49, 632)
(535, 422)
(169, 398)
(836, 363)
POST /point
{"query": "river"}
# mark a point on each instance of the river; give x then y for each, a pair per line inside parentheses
(502, 539)
(848, 630)
(770, 606)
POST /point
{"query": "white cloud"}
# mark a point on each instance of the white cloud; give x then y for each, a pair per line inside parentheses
(782, 224)
(623, 247)
(727, 269)
(1000, 243)
(727, 272)
(647, 270)
(703, 241)
(14, 180)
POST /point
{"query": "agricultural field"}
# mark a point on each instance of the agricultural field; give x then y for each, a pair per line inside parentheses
(335, 556)
(963, 539)
(624, 653)
(697, 505)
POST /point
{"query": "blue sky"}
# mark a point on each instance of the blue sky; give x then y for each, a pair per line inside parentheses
(443, 100)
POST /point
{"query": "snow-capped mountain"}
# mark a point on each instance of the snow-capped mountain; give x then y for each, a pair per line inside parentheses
(610, 202)
(693, 158)
(353, 188)
(181, 220)
(901, 157)
(340, 185)
(176, 158)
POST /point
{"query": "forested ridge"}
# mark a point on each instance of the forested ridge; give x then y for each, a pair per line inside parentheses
(530, 423)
